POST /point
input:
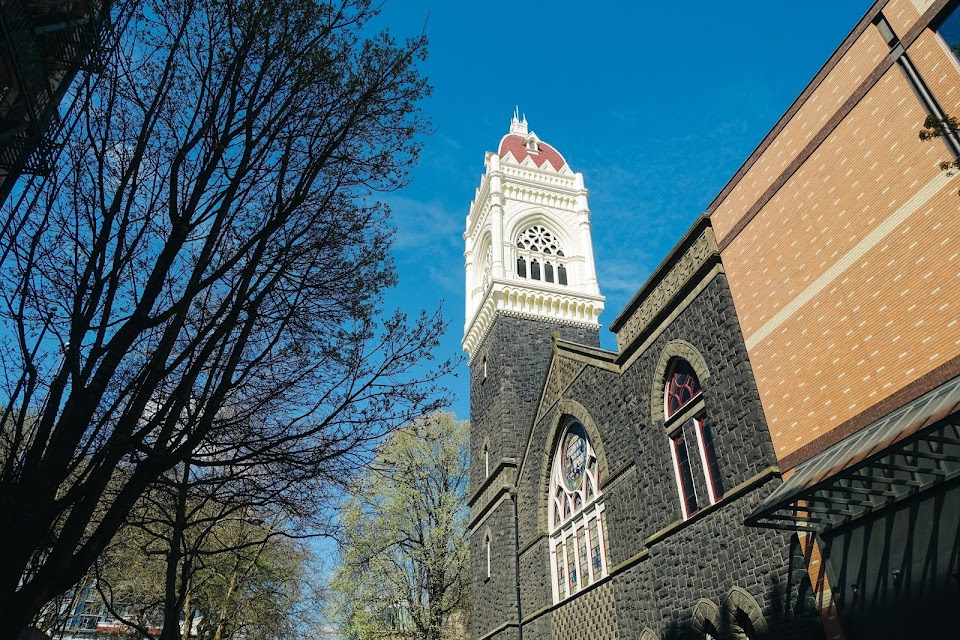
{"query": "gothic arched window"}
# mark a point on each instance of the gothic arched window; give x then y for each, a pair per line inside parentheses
(578, 536)
(682, 387)
(691, 437)
(540, 247)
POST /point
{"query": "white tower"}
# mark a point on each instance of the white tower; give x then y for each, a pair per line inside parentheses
(528, 251)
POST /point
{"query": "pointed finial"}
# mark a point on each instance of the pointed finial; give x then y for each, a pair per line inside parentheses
(516, 124)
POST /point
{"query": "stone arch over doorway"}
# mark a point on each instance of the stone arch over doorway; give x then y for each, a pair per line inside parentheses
(745, 615)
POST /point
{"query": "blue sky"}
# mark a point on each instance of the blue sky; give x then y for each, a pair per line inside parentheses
(656, 103)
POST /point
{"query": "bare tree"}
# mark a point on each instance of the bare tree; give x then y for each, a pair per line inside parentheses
(199, 279)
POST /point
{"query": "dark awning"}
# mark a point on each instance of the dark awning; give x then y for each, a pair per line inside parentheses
(908, 451)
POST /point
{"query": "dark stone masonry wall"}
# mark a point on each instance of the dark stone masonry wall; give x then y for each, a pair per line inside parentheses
(661, 566)
(503, 405)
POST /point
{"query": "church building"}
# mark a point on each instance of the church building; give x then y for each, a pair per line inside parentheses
(773, 450)
(610, 488)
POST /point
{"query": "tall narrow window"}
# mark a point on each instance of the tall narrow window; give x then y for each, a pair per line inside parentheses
(561, 274)
(681, 465)
(595, 564)
(521, 267)
(535, 270)
(578, 536)
(487, 545)
(691, 437)
(708, 455)
(486, 461)
(561, 573)
(582, 548)
(548, 272)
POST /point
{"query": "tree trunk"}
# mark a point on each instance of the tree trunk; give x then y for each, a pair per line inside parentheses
(225, 606)
(187, 617)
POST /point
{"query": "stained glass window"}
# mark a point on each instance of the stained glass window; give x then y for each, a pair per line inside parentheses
(682, 387)
(561, 574)
(582, 548)
(578, 537)
(681, 459)
(595, 548)
(694, 436)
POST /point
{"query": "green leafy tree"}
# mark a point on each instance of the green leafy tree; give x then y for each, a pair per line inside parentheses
(189, 564)
(934, 127)
(405, 564)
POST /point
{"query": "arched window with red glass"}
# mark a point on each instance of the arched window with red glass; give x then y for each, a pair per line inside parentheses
(691, 438)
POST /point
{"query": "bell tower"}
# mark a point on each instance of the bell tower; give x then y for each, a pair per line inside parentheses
(528, 249)
(530, 275)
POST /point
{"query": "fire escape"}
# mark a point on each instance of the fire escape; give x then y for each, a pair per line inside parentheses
(45, 44)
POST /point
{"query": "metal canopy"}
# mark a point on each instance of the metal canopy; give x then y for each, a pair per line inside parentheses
(908, 451)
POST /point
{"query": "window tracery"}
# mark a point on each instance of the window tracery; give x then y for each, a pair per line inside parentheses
(690, 434)
(540, 249)
(577, 526)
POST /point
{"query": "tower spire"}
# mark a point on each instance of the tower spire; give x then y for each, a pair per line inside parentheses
(518, 125)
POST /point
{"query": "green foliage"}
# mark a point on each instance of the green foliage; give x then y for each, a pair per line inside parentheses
(934, 127)
(405, 563)
(240, 579)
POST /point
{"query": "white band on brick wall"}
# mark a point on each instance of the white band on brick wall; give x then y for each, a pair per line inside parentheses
(871, 240)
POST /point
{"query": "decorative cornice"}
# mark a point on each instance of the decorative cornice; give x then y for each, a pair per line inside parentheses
(531, 186)
(542, 302)
(529, 169)
(530, 175)
(541, 197)
(697, 249)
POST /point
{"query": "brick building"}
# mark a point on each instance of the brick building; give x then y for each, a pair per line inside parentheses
(839, 239)
(773, 449)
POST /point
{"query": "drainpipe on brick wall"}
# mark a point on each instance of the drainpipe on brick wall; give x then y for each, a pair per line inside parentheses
(516, 550)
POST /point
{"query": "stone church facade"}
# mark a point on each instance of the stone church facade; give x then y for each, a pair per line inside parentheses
(773, 450)
(610, 488)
